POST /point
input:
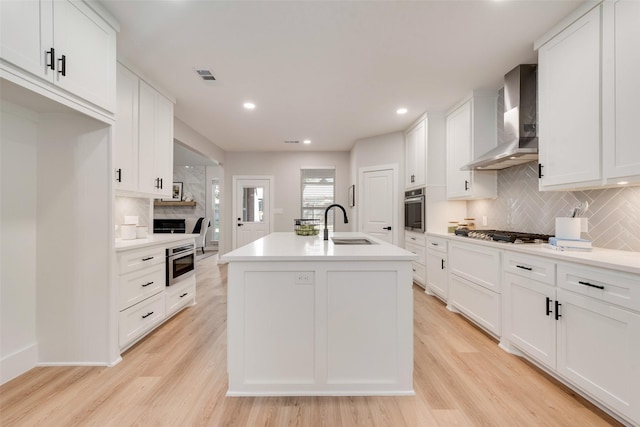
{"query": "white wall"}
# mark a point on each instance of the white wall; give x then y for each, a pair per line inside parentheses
(198, 143)
(380, 150)
(18, 150)
(285, 168)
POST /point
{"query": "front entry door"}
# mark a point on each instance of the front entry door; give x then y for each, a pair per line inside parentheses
(378, 204)
(251, 210)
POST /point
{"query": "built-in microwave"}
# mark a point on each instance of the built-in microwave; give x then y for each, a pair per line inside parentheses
(414, 218)
(181, 262)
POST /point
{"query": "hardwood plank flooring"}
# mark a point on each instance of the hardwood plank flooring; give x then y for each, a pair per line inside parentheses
(177, 377)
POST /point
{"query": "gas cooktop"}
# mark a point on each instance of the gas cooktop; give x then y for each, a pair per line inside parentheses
(504, 236)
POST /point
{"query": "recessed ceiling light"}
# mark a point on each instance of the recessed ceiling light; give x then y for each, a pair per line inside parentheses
(306, 141)
(401, 111)
(249, 105)
(622, 182)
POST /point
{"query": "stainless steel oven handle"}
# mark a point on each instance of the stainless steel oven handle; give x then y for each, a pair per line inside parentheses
(414, 199)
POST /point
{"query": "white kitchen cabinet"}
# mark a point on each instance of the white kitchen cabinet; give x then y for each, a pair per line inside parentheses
(142, 138)
(141, 318)
(471, 131)
(416, 154)
(569, 74)
(155, 151)
(475, 284)
(57, 45)
(414, 242)
(180, 295)
(621, 87)
(125, 131)
(436, 267)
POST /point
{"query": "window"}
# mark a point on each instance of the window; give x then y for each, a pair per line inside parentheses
(317, 188)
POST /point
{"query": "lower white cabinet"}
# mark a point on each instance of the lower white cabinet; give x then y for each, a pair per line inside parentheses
(144, 299)
(414, 242)
(586, 329)
(475, 284)
(180, 295)
(436, 267)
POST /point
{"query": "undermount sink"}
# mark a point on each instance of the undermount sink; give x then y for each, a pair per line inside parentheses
(351, 241)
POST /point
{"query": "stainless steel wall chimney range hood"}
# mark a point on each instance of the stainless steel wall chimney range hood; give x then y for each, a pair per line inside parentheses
(520, 127)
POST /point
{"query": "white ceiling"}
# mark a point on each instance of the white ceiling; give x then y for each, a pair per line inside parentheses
(329, 71)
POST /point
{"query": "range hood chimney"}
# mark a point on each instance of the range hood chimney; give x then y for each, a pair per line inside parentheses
(520, 127)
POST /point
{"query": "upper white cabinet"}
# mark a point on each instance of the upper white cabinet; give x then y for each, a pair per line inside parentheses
(60, 44)
(588, 99)
(142, 138)
(416, 154)
(471, 131)
(569, 75)
(621, 91)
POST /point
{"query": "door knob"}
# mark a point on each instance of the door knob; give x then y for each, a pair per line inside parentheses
(240, 225)
(386, 228)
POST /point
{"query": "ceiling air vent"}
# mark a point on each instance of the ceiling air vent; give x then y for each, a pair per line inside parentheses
(292, 142)
(206, 75)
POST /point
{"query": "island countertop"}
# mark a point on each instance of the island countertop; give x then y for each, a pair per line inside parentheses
(287, 246)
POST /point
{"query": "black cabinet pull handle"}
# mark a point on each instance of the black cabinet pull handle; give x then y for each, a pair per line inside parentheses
(63, 65)
(466, 185)
(591, 285)
(434, 244)
(52, 57)
(558, 315)
(119, 175)
(548, 308)
(184, 295)
(414, 270)
(441, 264)
(540, 175)
(147, 259)
(524, 268)
(161, 183)
(147, 284)
(144, 316)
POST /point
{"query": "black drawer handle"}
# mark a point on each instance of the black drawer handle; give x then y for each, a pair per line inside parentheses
(524, 268)
(591, 285)
(144, 316)
(434, 244)
(548, 308)
(147, 284)
(412, 238)
(414, 270)
(147, 259)
(184, 295)
(558, 315)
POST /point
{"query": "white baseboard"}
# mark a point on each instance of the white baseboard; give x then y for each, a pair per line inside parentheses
(16, 364)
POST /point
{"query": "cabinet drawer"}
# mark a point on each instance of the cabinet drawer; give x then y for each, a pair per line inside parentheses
(177, 296)
(414, 238)
(618, 288)
(476, 263)
(141, 284)
(140, 318)
(135, 260)
(418, 250)
(437, 244)
(476, 302)
(418, 272)
(531, 267)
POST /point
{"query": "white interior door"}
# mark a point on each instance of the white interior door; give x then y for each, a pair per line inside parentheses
(377, 207)
(252, 210)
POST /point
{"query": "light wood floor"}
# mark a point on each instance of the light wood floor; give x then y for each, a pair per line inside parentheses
(177, 377)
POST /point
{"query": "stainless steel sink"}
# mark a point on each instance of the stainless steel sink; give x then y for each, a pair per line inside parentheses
(351, 241)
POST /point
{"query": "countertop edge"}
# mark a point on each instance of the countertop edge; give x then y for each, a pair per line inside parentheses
(151, 240)
(585, 258)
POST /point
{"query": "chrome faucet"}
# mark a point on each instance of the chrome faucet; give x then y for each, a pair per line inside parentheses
(326, 213)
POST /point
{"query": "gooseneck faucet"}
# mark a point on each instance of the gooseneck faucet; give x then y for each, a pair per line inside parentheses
(326, 213)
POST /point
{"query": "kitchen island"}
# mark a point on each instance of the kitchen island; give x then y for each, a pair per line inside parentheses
(313, 317)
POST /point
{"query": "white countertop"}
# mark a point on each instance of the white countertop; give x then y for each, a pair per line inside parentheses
(152, 239)
(287, 246)
(606, 258)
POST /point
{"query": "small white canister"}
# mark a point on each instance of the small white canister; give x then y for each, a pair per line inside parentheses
(568, 228)
(141, 232)
(128, 231)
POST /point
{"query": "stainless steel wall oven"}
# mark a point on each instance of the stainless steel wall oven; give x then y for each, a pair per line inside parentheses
(414, 218)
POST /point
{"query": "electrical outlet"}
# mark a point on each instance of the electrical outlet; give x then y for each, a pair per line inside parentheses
(304, 278)
(584, 225)
(484, 220)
